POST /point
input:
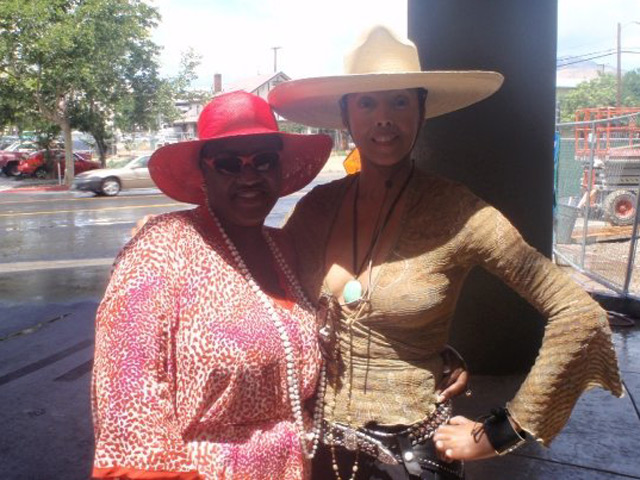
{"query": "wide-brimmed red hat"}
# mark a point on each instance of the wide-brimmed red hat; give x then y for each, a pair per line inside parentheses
(174, 168)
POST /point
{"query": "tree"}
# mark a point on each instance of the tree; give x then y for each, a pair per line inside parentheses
(90, 116)
(75, 57)
(601, 92)
(151, 98)
(631, 89)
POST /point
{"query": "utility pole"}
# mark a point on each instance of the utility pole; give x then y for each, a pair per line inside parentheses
(619, 68)
(275, 58)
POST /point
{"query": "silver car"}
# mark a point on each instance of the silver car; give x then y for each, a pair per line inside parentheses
(109, 181)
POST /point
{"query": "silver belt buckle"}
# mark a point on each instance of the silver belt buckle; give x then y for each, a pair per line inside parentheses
(354, 439)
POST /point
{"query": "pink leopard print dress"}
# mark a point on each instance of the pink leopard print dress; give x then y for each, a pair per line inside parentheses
(189, 377)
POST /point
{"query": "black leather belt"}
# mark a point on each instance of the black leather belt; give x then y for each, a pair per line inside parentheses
(417, 457)
(392, 445)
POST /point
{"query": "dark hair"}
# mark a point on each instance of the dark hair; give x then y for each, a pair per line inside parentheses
(422, 101)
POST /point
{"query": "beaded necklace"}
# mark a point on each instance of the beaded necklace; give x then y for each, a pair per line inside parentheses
(308, 440)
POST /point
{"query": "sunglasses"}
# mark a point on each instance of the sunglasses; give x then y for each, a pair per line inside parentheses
(233, 164)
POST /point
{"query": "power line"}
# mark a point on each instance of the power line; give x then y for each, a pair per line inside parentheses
(586, 59)
(571, 57)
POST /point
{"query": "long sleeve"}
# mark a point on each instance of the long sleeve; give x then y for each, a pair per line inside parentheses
(137, 432)
(577, 351)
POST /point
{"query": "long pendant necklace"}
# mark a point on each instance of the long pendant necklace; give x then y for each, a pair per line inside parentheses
(353, 294)
(353, 291)
(308, 440)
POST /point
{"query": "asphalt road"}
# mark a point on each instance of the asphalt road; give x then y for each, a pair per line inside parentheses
(59, 246)
(55, 253)
(56, 250)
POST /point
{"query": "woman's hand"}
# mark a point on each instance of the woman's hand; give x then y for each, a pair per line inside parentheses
(140, 223)
(455, 378)
(462, 439)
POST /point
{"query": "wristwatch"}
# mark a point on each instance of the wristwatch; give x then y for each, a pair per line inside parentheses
(500, 432)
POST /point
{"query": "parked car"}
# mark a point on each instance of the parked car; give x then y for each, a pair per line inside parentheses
(10, 157)
(7, 140)
(109, 181)
(35, 164)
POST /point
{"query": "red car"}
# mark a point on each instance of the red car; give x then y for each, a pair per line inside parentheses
(11, 156)
(35, 164)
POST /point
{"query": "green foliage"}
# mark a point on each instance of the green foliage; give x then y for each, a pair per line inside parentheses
(77, 58)
(291, 127)
(189, 61)
(601, 92)
(631, 89)
(152, 98)
(91, 117)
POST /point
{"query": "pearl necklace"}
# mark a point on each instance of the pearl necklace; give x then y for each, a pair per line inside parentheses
(308, 440)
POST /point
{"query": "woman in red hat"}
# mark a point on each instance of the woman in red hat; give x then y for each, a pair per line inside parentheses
(206, 347)
(393, 245)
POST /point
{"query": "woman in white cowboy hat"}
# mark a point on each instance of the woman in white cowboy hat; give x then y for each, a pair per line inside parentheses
(206, 348)
(393, 246)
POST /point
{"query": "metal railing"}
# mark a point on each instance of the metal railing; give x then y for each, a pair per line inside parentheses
(597, 200)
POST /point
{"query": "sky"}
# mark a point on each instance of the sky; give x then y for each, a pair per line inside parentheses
(236, 37)
(590, 27)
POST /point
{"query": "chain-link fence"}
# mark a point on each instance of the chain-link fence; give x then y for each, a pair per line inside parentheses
(597, 197)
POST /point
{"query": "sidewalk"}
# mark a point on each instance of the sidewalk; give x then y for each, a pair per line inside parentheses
(46, 420)
(24, 185)
(600, 442)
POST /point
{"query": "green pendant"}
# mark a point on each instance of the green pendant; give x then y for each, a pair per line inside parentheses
(352, 291)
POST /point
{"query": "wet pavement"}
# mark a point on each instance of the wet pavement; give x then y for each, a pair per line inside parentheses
(58, 246)
(600, 441)
(56, 251)
(46, 421)
(46, 347)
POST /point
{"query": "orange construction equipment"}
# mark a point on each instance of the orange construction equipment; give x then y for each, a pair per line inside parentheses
(613, 145)
(608, 135)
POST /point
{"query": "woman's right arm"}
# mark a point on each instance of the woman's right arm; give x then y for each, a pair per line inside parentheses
(137, 432)
(577, 352)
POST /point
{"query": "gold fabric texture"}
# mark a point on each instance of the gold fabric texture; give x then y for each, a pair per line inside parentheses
(394, 347)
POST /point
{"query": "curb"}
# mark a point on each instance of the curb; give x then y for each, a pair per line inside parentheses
(38, 188)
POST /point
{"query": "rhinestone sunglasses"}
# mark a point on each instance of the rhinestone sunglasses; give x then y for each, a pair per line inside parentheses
(226, 164)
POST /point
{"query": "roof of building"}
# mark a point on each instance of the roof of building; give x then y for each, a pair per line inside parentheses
(571, 76)
(252, 84)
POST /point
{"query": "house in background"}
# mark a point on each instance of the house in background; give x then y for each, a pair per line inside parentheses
(186, 126)
(569, 77)
(259, 85)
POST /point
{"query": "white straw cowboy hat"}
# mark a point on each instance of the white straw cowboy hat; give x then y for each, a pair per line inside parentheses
(380, 61)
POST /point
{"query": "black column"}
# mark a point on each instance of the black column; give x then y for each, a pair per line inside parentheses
(501, 148)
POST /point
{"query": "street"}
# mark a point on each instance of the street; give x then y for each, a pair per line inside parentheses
(56, 250)
(58, 246)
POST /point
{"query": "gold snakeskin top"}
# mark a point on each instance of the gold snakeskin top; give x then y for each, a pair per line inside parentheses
(391, 353)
